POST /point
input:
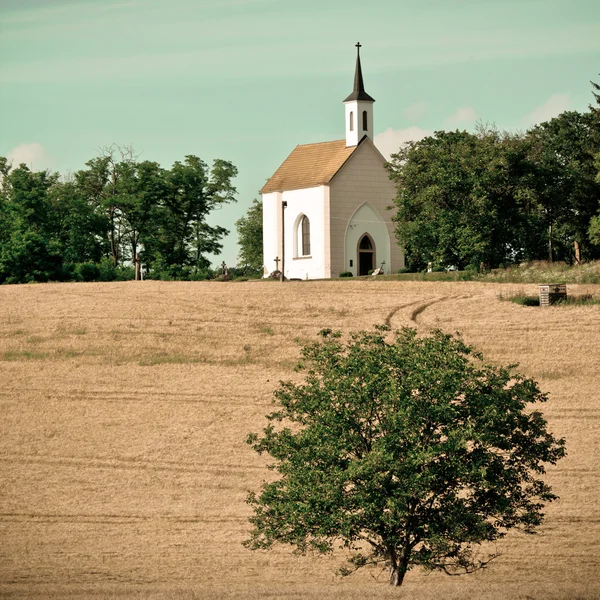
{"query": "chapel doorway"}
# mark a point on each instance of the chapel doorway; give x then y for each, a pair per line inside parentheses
(366, 255)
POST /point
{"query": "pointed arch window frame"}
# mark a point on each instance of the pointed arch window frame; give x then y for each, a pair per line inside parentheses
(372, 250)
(304, 230)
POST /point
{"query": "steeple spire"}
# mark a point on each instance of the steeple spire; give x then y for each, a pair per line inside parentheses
(358, 93)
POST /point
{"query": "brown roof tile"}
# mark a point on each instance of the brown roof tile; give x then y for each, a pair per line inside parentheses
(309, 165)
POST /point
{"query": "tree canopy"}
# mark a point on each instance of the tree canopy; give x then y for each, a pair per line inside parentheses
(462, 199)
(495, 198)
(409, 452)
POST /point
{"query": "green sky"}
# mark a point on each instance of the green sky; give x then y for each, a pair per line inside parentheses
(247, 80)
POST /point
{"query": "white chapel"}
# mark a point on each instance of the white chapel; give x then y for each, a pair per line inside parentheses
(324, 209)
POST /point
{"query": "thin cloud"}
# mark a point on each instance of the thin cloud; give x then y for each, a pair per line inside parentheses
(556, 104)
(33, 155)
(465, 115)
(391, 140)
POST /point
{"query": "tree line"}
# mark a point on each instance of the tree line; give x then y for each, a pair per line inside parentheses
(464, 200)
(104, 221)
(493, 198)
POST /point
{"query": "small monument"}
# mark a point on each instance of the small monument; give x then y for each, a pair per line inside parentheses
(225, 276)
(551, 293)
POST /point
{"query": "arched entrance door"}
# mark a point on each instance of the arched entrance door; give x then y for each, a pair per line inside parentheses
(366, 254)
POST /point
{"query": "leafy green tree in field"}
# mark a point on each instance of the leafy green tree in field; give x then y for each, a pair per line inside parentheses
(106, 185)
(4, 198)
(594, 229)
(250, 238)
(405, 453)
(562, 154)
(30, 249)
(142, 187)
(463, 199)
(182, 236)
(595, 110)
(80, 228)
(163, 210)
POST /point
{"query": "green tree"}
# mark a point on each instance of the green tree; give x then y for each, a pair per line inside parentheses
(463, 199)
(142, 186)
(562, 154)
(103, 187)
(595, 110)
(594, 229)
(4, 198)
(409, 452)
(182, 237)
(80, 228)
(30, 249)
(250, 238)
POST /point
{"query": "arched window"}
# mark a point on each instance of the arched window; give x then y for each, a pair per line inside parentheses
(351, 121)
(365, 128)
(305, 226)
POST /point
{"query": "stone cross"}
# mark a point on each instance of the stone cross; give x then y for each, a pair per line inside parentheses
(277, 259)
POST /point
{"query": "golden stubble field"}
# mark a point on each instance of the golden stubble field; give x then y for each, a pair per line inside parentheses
(125, 406)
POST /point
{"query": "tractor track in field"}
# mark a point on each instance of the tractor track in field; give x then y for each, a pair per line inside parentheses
(123, 463)
(418, 312)
(392, 313)
(18, 517)
(142, 398)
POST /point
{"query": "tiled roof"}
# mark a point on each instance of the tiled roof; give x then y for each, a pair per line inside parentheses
(309, 165)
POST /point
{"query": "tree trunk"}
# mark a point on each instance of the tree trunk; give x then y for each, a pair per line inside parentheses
(577, 252)
(398, 567)
(550, 242)
(397, 574)
(136, 260)
(113, 245)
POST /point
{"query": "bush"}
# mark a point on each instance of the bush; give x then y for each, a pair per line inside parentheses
(68, 272)
(123, 273)
(346, 274)
(525, 300)
(179, 273)
(86, 272)
(370, 272)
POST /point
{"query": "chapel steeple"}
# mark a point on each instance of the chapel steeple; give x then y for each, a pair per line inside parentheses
(359, 108)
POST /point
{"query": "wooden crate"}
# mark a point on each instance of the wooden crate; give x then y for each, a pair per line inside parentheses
(551, 293)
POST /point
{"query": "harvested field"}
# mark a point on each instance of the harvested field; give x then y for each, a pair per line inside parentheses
(125, 407)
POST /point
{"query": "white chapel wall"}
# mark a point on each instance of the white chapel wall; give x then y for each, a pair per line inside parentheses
(361, 180)
(271, 231)
(309, 202)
